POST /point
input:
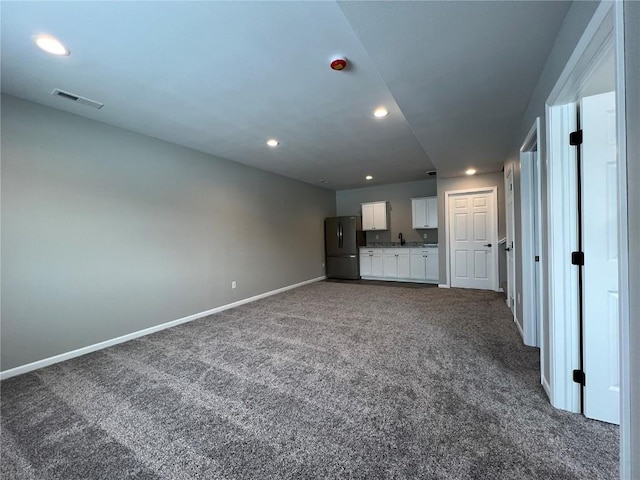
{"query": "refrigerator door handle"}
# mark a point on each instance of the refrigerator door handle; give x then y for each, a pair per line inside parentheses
(338, 233)
(341, 235)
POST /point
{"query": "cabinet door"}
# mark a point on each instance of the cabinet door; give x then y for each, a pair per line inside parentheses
(390, 266)
(432, 267)
(376, 265)
(432, 212)
(365, 264)
(418, 271)
(367, 217)
(419, 212)
(404, 265)
(380, 215)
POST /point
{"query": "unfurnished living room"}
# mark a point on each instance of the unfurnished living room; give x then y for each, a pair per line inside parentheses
(320, 240)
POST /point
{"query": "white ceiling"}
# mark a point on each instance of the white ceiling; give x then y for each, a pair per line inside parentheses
(223, 77)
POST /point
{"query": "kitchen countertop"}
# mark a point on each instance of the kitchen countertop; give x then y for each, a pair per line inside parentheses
(397, 245)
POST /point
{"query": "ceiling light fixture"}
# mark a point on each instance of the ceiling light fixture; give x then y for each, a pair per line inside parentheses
(51, 45)
(368, 177)
(470, 171)
(380, 112)
(272, 142)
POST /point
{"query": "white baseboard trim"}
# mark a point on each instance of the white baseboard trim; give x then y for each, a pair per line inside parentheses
(404, 280)
(547, 389)
(443, 285)
(515, 320)
(45, 362)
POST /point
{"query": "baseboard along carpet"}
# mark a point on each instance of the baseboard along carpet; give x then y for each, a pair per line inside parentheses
(330, 380)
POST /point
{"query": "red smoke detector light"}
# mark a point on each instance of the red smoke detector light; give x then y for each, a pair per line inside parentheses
(338, 64)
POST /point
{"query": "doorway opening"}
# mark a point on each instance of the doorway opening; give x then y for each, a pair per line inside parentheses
(531, 258)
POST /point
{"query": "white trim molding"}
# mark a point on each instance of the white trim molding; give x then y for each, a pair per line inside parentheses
(626, 43)
(562, 239)
(45, 362)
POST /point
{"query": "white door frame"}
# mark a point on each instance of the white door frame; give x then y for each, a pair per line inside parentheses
(562, 235)
(629, 438)
(531, 237)
(604, 32)
(494, 199)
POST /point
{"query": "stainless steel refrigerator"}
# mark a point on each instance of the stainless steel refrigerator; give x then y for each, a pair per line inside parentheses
(342, 237)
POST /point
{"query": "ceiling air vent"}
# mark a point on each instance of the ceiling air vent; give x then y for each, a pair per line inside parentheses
(431, 173)
(78, 99)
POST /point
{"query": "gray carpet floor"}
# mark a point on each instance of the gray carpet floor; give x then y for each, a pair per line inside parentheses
(330, 380)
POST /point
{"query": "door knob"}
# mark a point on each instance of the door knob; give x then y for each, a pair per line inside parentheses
(507, 249)
(488, 245)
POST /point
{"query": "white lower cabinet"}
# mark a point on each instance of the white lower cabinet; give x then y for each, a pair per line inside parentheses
(400, 264)
(424, 264)
(371, 262)
(397, 263)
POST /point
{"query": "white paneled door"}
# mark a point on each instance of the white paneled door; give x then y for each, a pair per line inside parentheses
(472, 233)
(600, 243)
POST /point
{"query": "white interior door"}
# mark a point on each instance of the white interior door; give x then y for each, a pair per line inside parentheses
(600, 244)
(472, 233)
(537, 250)
(511, 264)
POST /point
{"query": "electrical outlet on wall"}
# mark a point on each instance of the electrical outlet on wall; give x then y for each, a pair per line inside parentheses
(322, 264)
(425, 236)
(518, 298)
(377, 237)
(234, 284)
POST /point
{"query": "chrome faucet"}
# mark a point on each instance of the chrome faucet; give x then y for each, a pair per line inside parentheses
(401, 239)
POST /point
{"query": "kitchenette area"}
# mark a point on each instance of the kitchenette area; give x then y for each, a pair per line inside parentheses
(400, 261)
(389, 235)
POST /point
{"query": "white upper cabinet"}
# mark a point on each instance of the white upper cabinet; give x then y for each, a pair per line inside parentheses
(425, 212)
(374, 216)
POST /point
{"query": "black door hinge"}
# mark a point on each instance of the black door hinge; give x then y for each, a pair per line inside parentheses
(537, 258)
(575, 138)
(577, 258)
(579, 377)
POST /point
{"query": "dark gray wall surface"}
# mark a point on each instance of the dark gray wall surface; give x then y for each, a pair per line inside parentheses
(106, 232)
(399, 196)
(465, 183)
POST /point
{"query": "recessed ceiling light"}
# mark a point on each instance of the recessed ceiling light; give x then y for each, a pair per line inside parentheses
(470, 171)
(380, 112)
(368, 177)
(272, 142)
(51, 45)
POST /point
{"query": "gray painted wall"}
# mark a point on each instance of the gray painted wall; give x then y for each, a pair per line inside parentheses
(631, 430)
(464, 183)
(573, 26)
(106, 232)
(399, 196)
